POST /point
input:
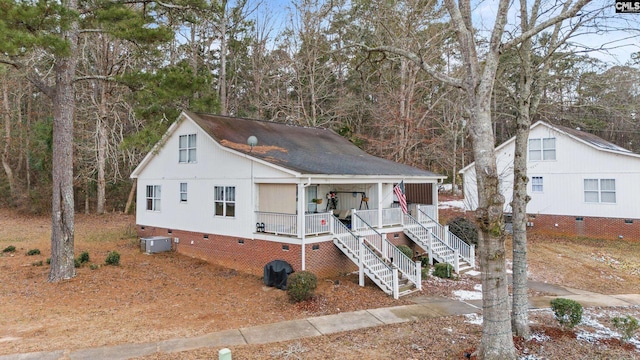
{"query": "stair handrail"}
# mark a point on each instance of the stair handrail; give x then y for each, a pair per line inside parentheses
(405, 264)
(466, 251)
(359, 251)
(410, 220)
(347, 237)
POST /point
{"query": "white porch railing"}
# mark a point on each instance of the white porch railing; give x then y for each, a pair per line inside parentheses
(277, 223)
(466, 251)
(391, 216)
(411, 269)
(287, 224)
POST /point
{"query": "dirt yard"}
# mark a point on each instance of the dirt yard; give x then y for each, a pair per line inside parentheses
(162, 296)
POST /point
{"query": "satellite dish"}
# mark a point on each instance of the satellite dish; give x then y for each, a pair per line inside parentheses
(252, 141)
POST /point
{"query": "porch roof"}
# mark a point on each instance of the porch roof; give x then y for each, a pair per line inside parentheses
(307, 150)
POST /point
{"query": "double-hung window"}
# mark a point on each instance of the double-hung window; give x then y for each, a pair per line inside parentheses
(600, 191)
(537, 184)
(187, 148)
(183, 192)
(153, 197)
(542, 149)
(225, 201)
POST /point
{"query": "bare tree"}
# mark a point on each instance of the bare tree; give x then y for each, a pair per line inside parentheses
(477, 80)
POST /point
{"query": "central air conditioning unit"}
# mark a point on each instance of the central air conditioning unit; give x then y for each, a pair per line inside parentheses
(155, 244)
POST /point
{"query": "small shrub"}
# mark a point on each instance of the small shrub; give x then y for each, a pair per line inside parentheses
(465, 229)
(93, 266)
(76, 263)
(425, 262)
(406, 250)
(48, 261)
(37, 263)
(443, 270)
(113, 258)
(33, 252)
(301, 285)
(84, 257)
(567, 312)
(425, 272)
(9, 249)
(627, 326)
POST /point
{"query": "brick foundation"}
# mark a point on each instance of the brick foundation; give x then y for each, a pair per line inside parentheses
(324, 259)
(593, 227)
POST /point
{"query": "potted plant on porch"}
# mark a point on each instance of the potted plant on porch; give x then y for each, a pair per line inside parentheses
(317, 201)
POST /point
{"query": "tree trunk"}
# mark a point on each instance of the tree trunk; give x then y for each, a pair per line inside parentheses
(102, 142)
(520, 306)
(496, 341)
(223, 61)
(7, 140)
(127, 207)
(62, 214)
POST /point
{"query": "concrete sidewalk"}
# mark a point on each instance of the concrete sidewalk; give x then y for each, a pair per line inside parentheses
(424, 307)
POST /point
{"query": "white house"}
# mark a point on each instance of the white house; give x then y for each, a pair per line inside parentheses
(578, 183)
(241, 193)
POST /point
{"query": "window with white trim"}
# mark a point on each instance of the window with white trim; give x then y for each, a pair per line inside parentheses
(153, 197)
(600, 191)
(542, 149)
(537, 184)
(183, 192)
(225, 201)
(187, 148)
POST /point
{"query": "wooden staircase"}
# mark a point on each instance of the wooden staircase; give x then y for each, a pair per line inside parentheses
(439, 243)
(394, 278)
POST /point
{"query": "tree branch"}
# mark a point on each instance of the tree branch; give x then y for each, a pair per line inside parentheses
(418, 61)
(545, 24)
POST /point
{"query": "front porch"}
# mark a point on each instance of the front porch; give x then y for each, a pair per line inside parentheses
(322, 223)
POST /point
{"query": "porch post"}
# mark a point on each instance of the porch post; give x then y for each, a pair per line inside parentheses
(380, 204)
(434, 191)
(301, 222)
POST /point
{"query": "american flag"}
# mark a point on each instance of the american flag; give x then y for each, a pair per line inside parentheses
(402, 198)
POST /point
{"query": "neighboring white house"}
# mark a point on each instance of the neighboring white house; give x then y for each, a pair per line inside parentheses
(241, 193)
(571, 173)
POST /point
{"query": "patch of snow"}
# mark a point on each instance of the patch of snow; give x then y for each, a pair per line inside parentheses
(467, 295)
(539, 337)
(457, 204)
(475, 319)
(477, 287)
(473, 273)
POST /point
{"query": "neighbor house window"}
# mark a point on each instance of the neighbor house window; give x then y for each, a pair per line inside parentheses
(600, 190)
(153, 197)
(536, 184)
(183, 192)
(187, 151)
(225, 201)
(542, 149)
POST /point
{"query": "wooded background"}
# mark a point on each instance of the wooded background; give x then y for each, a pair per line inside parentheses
(308, 67)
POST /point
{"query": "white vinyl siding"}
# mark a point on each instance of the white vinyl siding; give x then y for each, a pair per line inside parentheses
(225, 201)
(153, 197)
(537, 184)
(183, 192)
(187, 148)
(542, 149)
(600, 191)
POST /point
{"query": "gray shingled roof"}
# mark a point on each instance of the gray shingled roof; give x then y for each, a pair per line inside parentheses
(592, 139)
(307, 150)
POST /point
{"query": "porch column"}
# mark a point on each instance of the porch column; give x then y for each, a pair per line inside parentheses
(302, 201)
(434, 192)
(380, 204)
